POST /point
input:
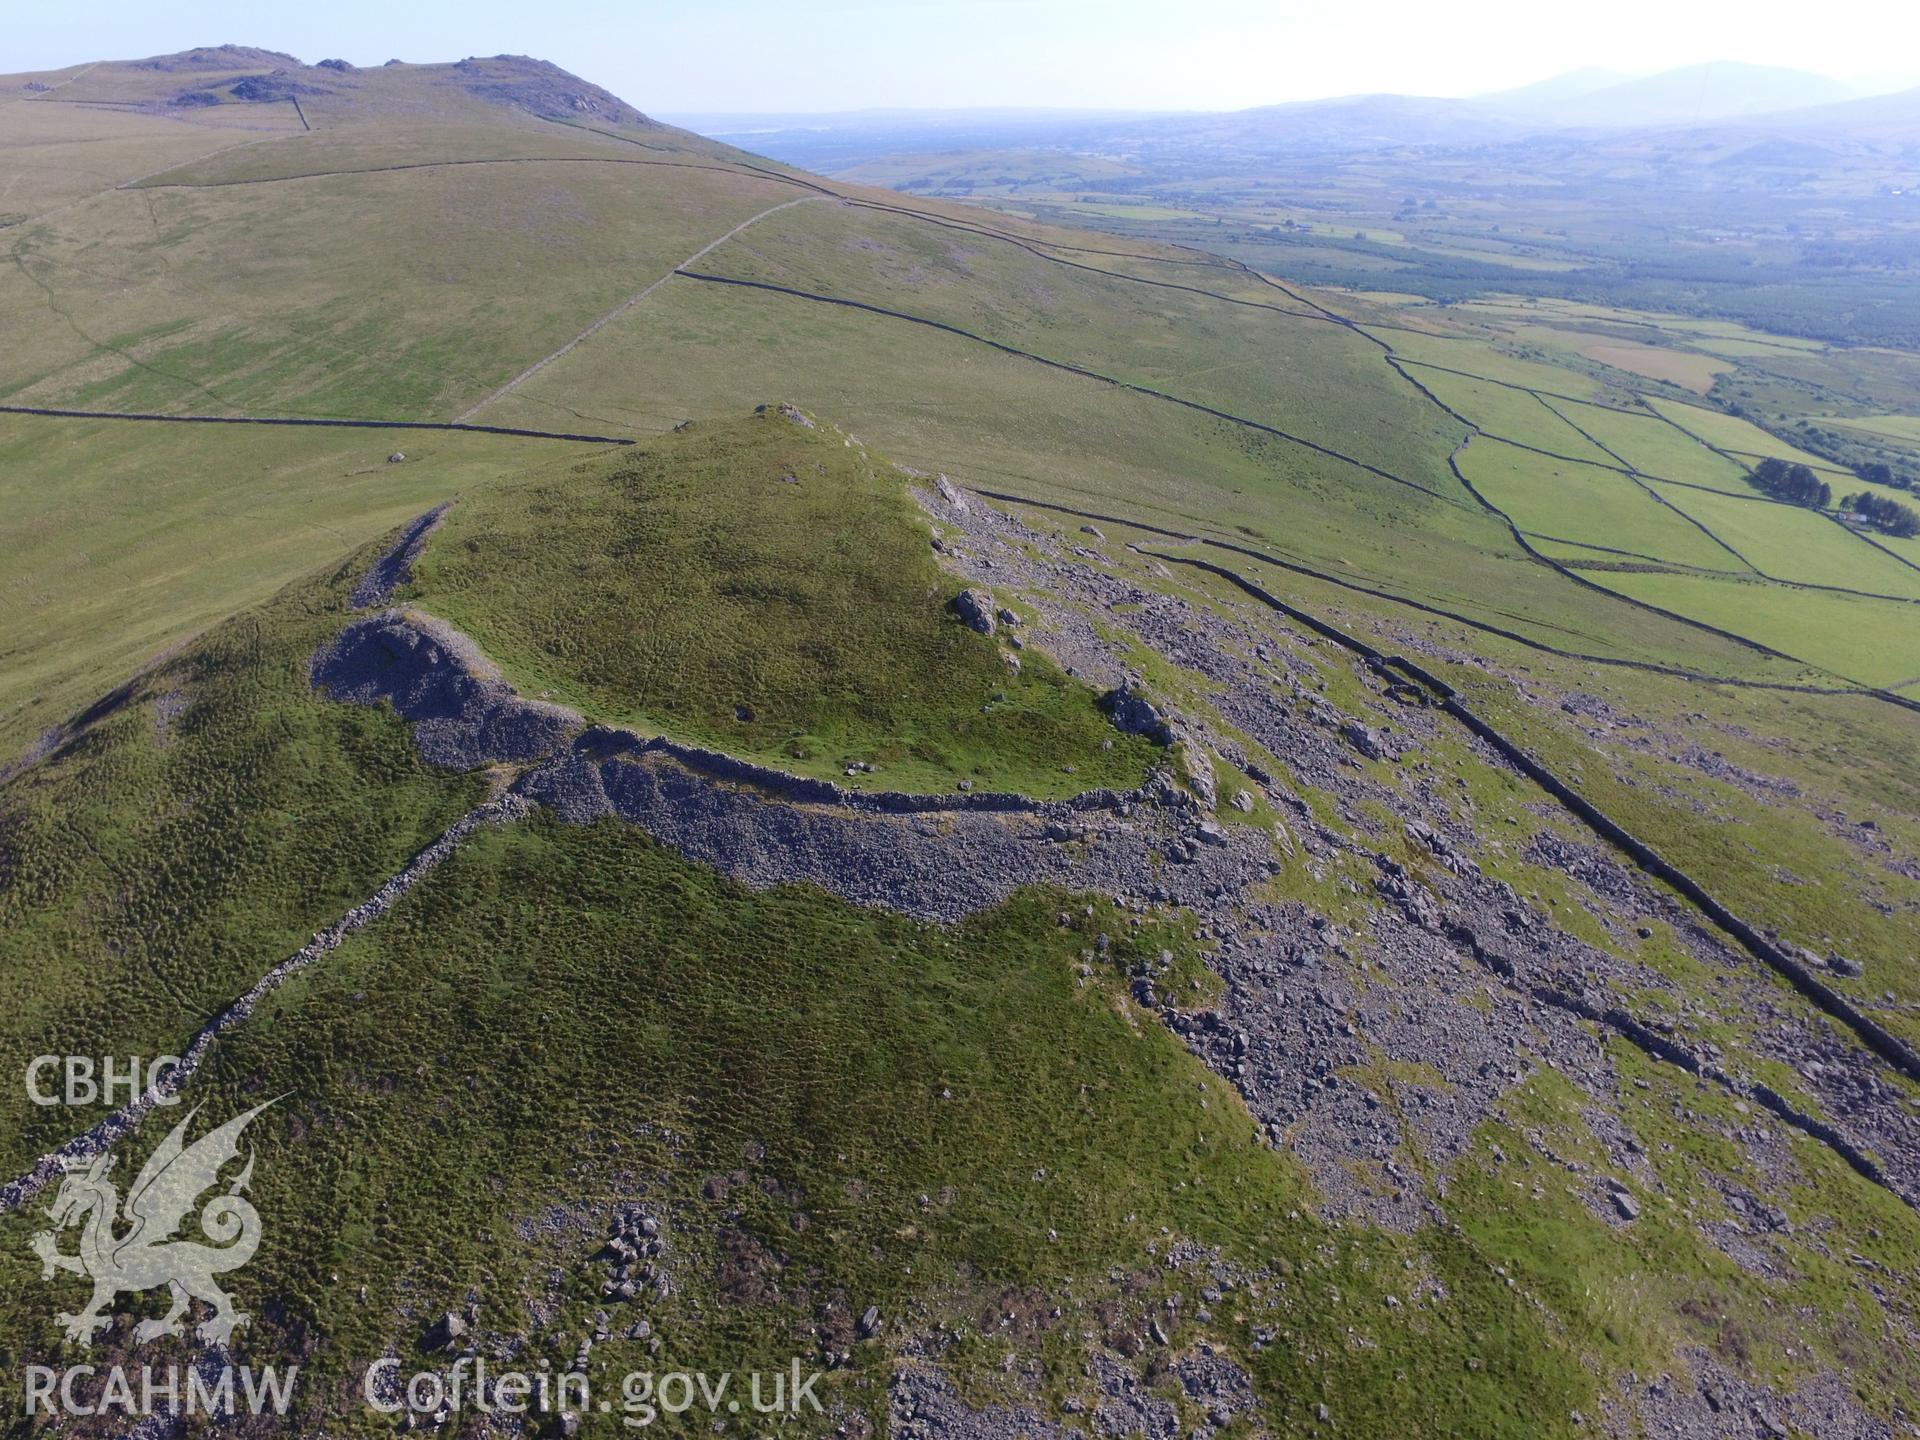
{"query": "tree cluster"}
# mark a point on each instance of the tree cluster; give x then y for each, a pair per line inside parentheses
(1883, 514)
(1879, 473)
(1792, 482)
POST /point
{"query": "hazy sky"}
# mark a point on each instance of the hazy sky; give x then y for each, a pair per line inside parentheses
(1149, 54)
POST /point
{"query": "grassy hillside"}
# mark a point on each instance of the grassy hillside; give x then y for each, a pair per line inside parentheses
(125, 539)
(825, 1108)
(762, 588)
(1353, 1081)
(246, 283)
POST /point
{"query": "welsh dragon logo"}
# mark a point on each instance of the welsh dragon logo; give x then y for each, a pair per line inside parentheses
(146, 1254)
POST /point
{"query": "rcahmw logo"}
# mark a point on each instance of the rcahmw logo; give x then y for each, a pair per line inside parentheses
(135, 1246)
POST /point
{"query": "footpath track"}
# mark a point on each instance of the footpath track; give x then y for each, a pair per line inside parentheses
(1068, 367)
(624, 306)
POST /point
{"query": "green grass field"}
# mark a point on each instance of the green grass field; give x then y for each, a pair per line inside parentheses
(763, 589)
(1287, 372)
(1655, 448)
(123, 539)
(1789, 543)
(57, 156)
(1733, 434)
(218, 301)
(1871, 642)
(1510, 414)
(1588, 506)
(1905, 428)
(1474, 356)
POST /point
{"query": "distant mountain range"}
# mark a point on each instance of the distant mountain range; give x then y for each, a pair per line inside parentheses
(1719, 94)
(1691, 95)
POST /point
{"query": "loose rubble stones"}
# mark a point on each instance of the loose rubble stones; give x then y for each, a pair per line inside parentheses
(464, 715)
(923, 1405)
(395, 568)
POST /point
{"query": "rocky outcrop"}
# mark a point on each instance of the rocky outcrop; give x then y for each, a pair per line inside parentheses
(975, 609)
(789, 412)
(542, 88)
(277, 86)
(215, 57)
(1198, 768)
(1133, 714)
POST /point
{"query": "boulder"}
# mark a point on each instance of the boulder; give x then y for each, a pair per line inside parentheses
(950, 493)
(442, 1334)
(1133, 714)
(1365, 740)
(1199, 770)
(396, 457)
(975, 609)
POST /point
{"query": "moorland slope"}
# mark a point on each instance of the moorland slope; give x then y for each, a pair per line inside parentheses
(1219, 978)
